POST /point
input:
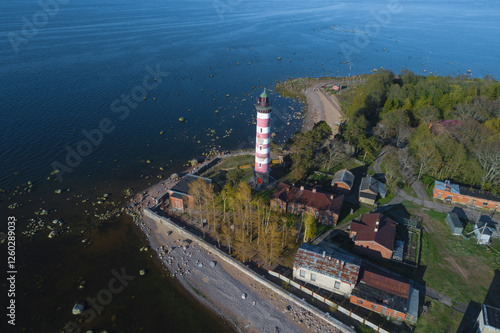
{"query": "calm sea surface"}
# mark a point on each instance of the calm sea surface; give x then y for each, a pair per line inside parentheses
(67, 77)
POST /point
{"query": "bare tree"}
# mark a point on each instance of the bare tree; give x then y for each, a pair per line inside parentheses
(488, 155)
(406, 165)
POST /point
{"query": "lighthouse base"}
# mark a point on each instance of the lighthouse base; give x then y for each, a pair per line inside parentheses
(260, 181)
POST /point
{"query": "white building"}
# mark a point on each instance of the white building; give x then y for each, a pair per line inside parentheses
(327, 269)
(488, 320)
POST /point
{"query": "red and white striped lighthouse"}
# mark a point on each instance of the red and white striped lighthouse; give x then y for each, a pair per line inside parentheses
(262, 142)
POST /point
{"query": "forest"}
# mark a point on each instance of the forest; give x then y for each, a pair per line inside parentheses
(441, 127)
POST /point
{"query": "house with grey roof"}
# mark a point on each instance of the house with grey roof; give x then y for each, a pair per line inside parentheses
(179, 196)
(483, 232)
(342, 181)
(326, 268)
(454, 223)
(370, 189)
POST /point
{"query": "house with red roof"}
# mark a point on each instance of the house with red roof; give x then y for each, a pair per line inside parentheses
(323, 206)
(374, 235)
(386, 294)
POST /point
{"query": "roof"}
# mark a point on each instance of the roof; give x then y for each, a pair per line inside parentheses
(477, 193)
(487, 230)
(183, 185)
(264, 93)
(491, 316)
(328, 262)
(343, 176)
(365, 230)
(446, 186)
(385, 282)
(381, 297)
(453, 218)
(371, 184)
(318, 200)
(384, 289)
(368, 195)
(177, 196)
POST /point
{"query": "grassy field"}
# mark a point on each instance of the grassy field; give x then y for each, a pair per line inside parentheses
(455, 267)
(234, 161)
(439, 318)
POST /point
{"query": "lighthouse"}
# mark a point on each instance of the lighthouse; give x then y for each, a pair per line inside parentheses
(262, 140)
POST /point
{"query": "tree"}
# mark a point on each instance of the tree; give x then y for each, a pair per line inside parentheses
(198, 190)
(235, 175)
(488, 155)
(310, 227)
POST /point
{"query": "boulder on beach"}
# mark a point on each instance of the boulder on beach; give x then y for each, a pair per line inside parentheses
(213, 264)
(244, 296)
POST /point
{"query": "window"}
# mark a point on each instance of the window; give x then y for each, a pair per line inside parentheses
(485, 204)
(374, 306)
(360, 301)
(261, 130)
(260, 165)
(474, 202)
(496, 206)
(337, 286)
(260, 147)
(302, 273)
(313, 277)
(439, 195)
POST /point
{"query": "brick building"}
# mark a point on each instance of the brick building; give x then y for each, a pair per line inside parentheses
(324, 207)
(326, 268)
(374, 235)
(370, 189)
(388, 295)
(179, 194)
(342, 181)
(453, 193)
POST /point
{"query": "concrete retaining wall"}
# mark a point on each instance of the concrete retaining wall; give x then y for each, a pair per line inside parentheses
(233, 262)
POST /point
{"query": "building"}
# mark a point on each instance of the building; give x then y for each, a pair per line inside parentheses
(374, 235)
(327, 269)
(179, 196)
(290, 199)
(453, 193)
(454, 223)
(388, 295)
(342, 181)
(488, 320)
(262, 140)
(370, 189)
(483, 232)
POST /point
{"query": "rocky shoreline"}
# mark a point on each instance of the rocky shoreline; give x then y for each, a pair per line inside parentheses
(248, 305)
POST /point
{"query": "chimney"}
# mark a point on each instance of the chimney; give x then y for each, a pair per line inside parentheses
(302, 188)
(314, 190)
(324, 254)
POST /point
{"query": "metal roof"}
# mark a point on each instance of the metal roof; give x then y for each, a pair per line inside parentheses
(328, 262)
(453, 218)
(446, 186)
(183, 185)
(371, 184)
(384, 281)
(177, 196)
(343, 176)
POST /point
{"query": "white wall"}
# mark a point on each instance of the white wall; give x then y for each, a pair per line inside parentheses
(323, 281)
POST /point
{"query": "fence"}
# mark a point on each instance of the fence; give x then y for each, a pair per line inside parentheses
(328, 302)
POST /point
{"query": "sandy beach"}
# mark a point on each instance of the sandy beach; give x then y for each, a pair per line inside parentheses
(319, 108)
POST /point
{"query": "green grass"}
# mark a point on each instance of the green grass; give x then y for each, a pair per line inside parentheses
(387, 199)
(358, 211)
(234, 161)
(441, 217)
(429, 190)
(438, 319)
